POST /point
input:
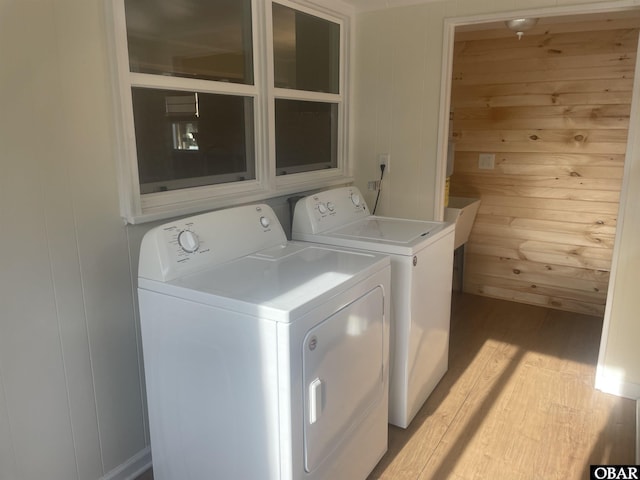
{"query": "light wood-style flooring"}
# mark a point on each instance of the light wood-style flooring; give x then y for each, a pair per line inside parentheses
(517, 402)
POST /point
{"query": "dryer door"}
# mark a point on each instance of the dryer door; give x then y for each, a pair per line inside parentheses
(343, 362)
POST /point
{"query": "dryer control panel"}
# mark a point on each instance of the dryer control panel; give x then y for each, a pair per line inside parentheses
(329, 209)
(191, 244)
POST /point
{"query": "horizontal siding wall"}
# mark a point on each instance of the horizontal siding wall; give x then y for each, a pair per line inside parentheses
(554, 109)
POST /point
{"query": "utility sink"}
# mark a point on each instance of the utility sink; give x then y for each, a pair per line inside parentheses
(463, 211)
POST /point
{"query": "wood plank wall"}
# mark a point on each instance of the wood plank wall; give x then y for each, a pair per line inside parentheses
(554, 109)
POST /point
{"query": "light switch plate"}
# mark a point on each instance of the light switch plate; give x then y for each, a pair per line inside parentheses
(487, 161)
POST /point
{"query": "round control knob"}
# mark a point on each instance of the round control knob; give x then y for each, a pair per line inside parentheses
(331, 206)
(322, 208)
(188, 241)
(265, 222)
(355, 199)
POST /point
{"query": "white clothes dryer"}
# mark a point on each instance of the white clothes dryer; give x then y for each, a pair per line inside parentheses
(264, 359)
(421, 278)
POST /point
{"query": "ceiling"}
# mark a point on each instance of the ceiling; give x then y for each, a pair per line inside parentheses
(367, 5)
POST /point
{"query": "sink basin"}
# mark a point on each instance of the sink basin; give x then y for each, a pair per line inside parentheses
(463, 211)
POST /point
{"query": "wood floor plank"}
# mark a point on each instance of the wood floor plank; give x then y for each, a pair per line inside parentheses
(517, 402)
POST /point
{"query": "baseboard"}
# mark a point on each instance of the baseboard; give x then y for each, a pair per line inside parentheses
(615, 384)
(132, 468)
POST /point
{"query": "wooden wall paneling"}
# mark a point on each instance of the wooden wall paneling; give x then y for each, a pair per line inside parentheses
(542, 252)
(547, 45)
(488, 77)
(542, 93)
(517, 61)
(553, 25)
(527, 158)
(554, 109)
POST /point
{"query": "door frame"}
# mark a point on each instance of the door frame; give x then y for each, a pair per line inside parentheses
(604, 382)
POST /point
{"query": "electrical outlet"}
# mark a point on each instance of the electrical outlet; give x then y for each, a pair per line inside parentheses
(487, 161)
(384, 159)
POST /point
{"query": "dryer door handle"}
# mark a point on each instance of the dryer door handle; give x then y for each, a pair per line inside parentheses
(315, 400)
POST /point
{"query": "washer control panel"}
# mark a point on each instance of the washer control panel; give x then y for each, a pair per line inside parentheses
(191, 244)
(329, 209)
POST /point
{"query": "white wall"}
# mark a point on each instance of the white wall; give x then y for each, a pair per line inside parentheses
(619, 363)
(397, 87)
(622, 352)
(70, 391)
(397, 97)
(71, 381)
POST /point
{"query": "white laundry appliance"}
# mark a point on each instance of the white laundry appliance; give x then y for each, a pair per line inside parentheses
(421, 276)
(264, 359)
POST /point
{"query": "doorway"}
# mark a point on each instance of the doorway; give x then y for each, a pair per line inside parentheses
(551, 111)
(606, 9)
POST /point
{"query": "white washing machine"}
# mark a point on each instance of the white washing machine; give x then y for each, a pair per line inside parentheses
(264, 359)
(421, 275)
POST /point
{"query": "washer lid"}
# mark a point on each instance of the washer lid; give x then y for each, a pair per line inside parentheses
(393, 230)
(275, 283)
(383, 234)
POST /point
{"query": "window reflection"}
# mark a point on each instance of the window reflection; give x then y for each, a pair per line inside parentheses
(185, 135)
(306, 51)
(306, 136)
(188, 139)
(209, 39)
